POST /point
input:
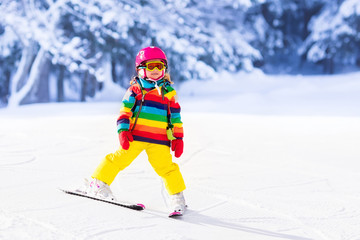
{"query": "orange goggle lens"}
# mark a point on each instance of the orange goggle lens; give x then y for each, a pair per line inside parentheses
(156, 64)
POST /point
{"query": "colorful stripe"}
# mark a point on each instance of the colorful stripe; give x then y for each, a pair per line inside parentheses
(152, 110)
(150, 140)
(152, 120)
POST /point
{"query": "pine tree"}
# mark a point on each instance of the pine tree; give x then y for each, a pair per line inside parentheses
(335, 45)
(278, 28)
(90, 45)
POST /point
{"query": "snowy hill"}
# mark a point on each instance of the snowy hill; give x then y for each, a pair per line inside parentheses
(265, 158)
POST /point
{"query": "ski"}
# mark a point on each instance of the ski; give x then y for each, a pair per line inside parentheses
(137, 207)
(175, 214)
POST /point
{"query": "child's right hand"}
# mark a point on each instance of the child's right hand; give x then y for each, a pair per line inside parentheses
(177, 146)
(124, 138)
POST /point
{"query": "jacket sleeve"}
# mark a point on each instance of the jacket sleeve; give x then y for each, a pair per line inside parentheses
(123, 121)
(175, 110)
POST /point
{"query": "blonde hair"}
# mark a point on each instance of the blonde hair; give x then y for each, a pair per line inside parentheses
(168, 78)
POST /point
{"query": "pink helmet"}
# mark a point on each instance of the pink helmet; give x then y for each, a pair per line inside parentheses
(149, 53)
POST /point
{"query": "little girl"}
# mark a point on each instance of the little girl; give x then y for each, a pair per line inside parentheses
(149, 120)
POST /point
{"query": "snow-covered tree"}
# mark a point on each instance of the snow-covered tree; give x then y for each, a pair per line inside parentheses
(204, 37)
(33, 26)
(70, 33)
(82, 47)
(335, 44)
(277, 28)
(78, 35)
(9, 54)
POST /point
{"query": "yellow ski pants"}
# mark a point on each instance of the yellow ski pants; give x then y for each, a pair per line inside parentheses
(159, 157)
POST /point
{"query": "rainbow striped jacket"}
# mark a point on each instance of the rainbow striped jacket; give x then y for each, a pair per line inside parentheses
(146, 114)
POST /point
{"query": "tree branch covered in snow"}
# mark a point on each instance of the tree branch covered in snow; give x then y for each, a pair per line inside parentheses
(80, 37)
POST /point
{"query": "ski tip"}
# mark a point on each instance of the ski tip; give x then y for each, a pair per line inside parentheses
(138, 207)
(63, 190)
(175, 214)
(141, 205)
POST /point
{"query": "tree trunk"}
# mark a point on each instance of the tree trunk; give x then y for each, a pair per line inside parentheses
(39, 93)
(84, 87)
(22, 71)
(113, 70)
(17, 96)
(92, 85)
(33, 88)
(60, 84)
(329, 65)
(42, 95)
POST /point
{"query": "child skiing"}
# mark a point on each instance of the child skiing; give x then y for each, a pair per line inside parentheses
(149, 120)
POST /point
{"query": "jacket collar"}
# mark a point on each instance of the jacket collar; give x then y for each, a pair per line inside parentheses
(151, 84)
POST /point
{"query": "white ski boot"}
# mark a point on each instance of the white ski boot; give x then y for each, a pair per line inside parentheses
(178, 205)
(100, 189)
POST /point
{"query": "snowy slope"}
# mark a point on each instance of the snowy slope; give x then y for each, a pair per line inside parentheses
(256, 93)
(256, 176)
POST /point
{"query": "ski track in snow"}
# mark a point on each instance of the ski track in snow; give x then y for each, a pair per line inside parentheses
(275, 216)
(276, 178)
(30, 228)
(319, 234)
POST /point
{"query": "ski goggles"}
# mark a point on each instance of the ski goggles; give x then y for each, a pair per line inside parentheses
(150, 66)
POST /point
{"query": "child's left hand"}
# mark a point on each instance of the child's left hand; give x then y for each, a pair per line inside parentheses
(177, 146)
(125, 137)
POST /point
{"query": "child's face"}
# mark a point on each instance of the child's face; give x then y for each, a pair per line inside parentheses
(155, 73)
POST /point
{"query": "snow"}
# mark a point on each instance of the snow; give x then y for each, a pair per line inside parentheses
(256, 93)
(266, 157)
(350, 7)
